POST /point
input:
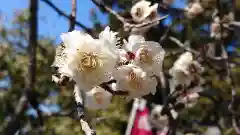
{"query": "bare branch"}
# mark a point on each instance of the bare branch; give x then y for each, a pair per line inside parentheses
(32, 45)
(180, 44)
(60, 12)
(127, 25)
(73, 15)
(79, 99)
(145, 24)
(109, 10)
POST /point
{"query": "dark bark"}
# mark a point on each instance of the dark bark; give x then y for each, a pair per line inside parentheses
(73, 15)
(15, 123)
(32, 44)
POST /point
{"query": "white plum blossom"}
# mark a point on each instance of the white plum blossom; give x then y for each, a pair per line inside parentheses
(142, 9)
(215, 31)
(185, 70)
(97, 98)
(159, 120)
(194, 9)
(133, 79)
(213, 130)
(215, 28)
(148, 55)
(190, 99)
(61, 58)
(89, 60)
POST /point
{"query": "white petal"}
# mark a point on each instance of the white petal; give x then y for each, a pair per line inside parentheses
(108, 35)
(144, 6)
(156, 53)
(185, 58)
(123, 56)
(80, 44)
(174, 113)
(212, 130)
(97, 98)
(143, 85)
(154, 7)
(181, 65)
(74, 38)
(161, 120)
(132, 40)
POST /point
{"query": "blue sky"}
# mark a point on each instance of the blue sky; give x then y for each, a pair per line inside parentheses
(51, 24)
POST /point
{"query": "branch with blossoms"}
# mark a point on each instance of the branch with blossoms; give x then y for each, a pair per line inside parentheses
(101, 69)
(136, 76)
(139, 23)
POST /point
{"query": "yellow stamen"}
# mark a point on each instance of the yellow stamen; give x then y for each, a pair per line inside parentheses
(98, 97)
(134, 80)
(139, 12)
(89, 62)
(145, 57)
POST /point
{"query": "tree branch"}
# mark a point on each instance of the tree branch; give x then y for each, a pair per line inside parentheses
(32, 44)
(78, 96)
(60, 12)
(127, 25)
(28, 94)
(180, 44)
(73, 15)
(109, 10)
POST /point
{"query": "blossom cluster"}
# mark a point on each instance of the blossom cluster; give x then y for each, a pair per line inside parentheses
(134, 66)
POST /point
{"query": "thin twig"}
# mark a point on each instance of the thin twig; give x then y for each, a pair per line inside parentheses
(165, 35)
(80, 104)
(180, 44)
(73, 15)
(60, 12)
(144, 24)
(108, 9)
(127, 25)
(32, 55)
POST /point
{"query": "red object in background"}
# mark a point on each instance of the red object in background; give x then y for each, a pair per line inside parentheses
(141, 124)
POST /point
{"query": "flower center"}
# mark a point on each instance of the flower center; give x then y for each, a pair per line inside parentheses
(192, 69)
(89, 62)
(98, 97)
(145, 57)
(139, 12)
(134, 80)
(130, 55)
